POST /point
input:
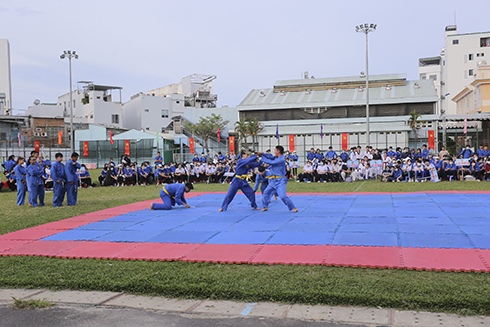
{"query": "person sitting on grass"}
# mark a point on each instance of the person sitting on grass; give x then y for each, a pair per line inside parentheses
(129, 175)
(103, 175)
(171, 195)
(387, 175)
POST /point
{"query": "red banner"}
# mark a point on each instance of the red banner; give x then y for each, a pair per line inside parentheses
(291, 143)
(110, 135)
(36, 146)
(431, 140)
(232, 144)
(126, 147)
(191, 145)
(85, 149)
(345, 138)
(60, 137)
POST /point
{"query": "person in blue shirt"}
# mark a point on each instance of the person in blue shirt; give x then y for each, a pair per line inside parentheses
(71, 168)
(171, 195)
(158, 159)
(47, 162)
(451, 169)
(204, 158)
(486, 152)
(196, 159)
(425, 152)
(310, 156)
(59, 180)
(103, 175)
(398, 153)
(277, 180)
(344, 156)
(330, 153)
(85, 176)
(480, 152)
(111, 162)
(20, 176)
(221, 157)
(475, 170)
(239, 181)
(130, 177)
(142, 175)
(391, 153)
(466, 153)
(9, 164)
(149, 171)
(293, 157)
(36, 183)
(319, 155)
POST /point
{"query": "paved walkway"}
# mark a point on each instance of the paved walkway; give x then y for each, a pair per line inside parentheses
(304, 315)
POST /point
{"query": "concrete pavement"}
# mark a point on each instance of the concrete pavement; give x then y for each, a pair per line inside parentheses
(83, 308)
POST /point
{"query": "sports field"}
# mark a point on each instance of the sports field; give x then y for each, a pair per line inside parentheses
(464, 293)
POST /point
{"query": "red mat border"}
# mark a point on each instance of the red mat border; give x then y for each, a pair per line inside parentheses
(26, 243)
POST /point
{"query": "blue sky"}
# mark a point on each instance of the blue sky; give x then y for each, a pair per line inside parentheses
(141, 45)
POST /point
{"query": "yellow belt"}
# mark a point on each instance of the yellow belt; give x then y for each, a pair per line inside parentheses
(242, 177)
(164, 190)
(274, 176)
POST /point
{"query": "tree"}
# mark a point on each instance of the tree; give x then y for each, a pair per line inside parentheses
(241, 128)
(207, 127)
(413, 120)
(254, 128)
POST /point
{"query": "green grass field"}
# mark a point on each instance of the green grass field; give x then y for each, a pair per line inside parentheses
(462, 293)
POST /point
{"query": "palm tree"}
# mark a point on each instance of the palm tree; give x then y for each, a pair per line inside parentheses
(241, 128)
(254, 128)
(413, 120)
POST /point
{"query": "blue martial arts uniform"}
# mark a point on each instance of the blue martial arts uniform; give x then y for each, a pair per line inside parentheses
(36, 184)
(59, 181)
(171, 194)
(9, 165)
(239, 182)
(20, 175)
(71, 168)
(262, 182)
(277, 181)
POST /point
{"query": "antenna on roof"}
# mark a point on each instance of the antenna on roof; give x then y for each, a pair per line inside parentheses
(455, 18)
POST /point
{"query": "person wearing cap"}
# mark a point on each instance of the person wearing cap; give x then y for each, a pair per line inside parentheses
(171, 195)
(239, 181)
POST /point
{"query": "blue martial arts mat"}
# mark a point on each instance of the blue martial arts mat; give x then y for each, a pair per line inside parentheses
(431, 220)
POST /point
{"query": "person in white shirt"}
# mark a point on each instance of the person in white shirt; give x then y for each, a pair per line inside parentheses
(346, 171)
(307, 173)
(334, 170)
(210, 174)
(180, 174)
(407, 170)
(418, 170)
(321, 172)
(353, 154)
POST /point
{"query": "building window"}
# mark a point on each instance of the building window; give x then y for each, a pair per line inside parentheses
(485, 42)
(433, 77)
(163, 129)
(470, 72)
(470, 56)
(423, 76)
(164, 113)
(148, 128)
(147, 110)
(115, 119)
(455, 41)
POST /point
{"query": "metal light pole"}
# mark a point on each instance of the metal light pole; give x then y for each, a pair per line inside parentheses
(70, 54)
(366, 28)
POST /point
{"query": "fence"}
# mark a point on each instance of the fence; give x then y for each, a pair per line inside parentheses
(25, 151)
(100, 152)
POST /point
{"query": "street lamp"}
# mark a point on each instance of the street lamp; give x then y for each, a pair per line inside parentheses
(366, 28)
(70, 54)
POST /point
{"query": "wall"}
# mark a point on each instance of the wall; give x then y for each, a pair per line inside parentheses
(45, 110)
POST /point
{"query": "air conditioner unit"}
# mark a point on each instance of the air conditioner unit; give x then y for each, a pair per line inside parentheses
(44, 134)
(36, 134)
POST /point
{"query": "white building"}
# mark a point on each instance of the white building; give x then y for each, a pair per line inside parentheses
(457, 64)
(5, 80)
(196, 88)
(152, 113)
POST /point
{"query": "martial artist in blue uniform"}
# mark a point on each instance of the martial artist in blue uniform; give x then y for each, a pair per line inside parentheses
(261, 180)
(71, 168)
(36, 182)
(171, 195)
(277, 180)
(59, 180)
(20, 175)
(239, 182)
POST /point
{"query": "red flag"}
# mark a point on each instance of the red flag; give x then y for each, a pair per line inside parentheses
(60, 137)
(232, 144)
(36, 146)
(465, 125)
(110, 135)
(218, 135)
(345, 138)
(126, 147)
(191, 145)
(431, 140)
(85, 149)
(291, 143)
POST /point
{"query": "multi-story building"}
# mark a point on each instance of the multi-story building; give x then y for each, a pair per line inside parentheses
(475, 97)
(456, 66)
(5, 80)
(320, 112)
